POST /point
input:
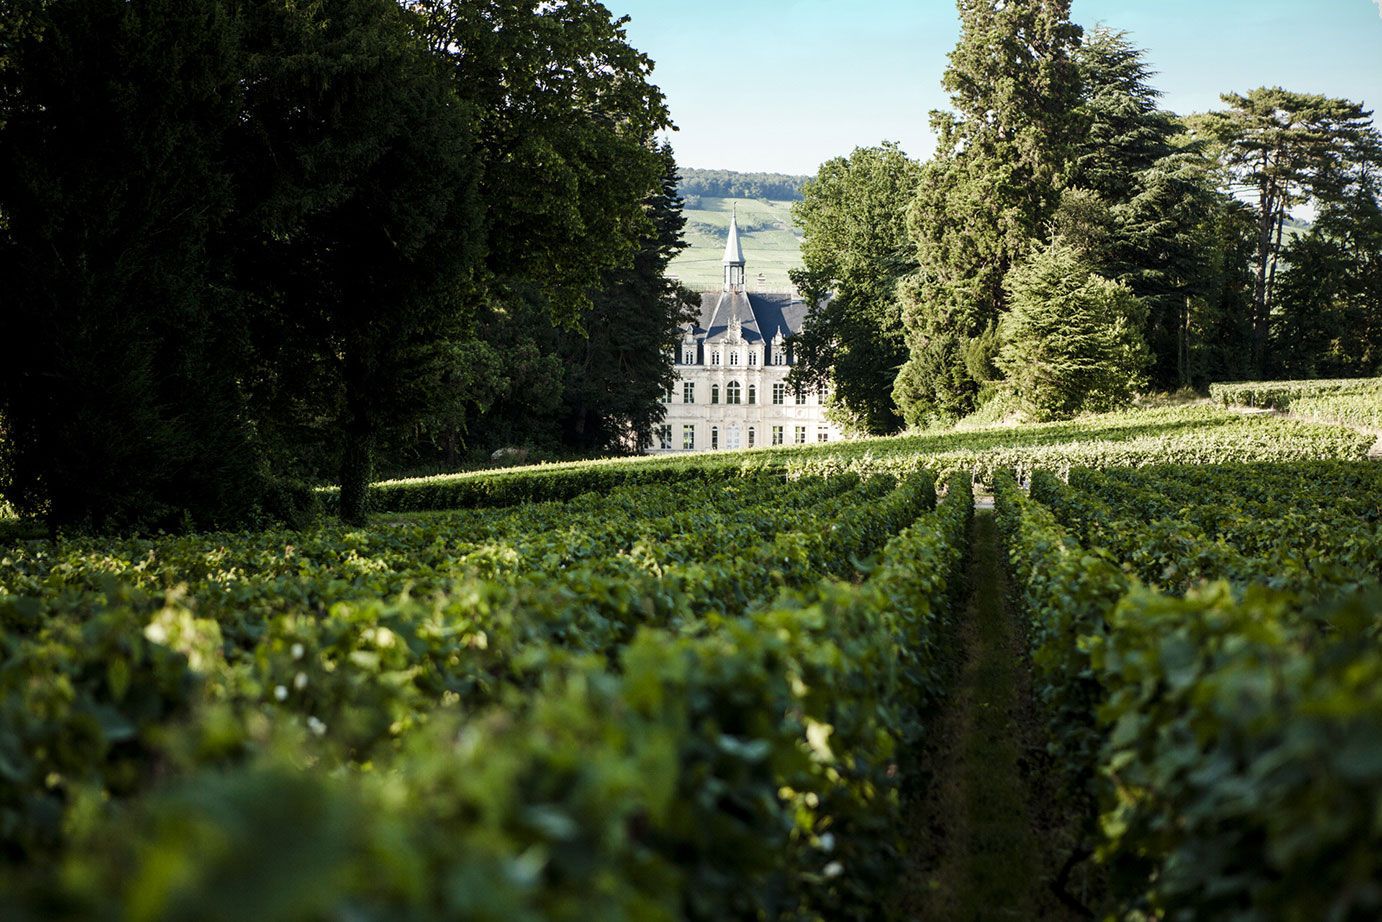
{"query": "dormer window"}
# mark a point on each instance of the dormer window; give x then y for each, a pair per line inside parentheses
(689, 357)
(715, 357)
(779, 357)
(753, 357)
(734, 357)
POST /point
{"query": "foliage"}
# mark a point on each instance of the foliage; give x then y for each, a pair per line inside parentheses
(1072, 340)
(1288, 149)
(988, 193)
(856, 251)
(452, 737)
(1330, 293)
(1347, 400)
(1226, 731)
(729, 184)
(120, 389)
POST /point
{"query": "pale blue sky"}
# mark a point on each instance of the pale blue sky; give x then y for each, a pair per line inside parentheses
(782, 85)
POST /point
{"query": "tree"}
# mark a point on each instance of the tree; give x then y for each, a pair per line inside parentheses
(1287, 149)
(856, 251)
(619, 365)
(124, 338)
(989, 192)
(1072, 340)
(564, 108)
(1330, 296)
(359, 216)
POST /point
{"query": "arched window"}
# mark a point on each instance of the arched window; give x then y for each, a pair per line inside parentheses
(753, 395)
(714, 437)
(732, 392)
(750, 431)
(714, 393)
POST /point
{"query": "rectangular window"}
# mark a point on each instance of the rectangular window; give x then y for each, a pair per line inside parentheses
(822, 435)
(714, 358)
(667, 397)
(777, 435)
(801, 396)
(689, 357)
(753, 357)
(779, 393)
(801, 435)
(688, 392)
(734, 357)
(664, 437)
(688, 437)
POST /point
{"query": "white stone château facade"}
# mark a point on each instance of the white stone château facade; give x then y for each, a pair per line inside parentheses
(731, 387)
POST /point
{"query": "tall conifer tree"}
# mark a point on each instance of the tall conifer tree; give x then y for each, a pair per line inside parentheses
(988, 194)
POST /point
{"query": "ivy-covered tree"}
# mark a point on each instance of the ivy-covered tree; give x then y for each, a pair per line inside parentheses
(855, 253)
(1072, 341)
(988, 194)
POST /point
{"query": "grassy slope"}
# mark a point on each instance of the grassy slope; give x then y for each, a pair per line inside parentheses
(770, 246)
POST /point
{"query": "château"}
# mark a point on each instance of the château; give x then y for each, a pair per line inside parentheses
(731, 387)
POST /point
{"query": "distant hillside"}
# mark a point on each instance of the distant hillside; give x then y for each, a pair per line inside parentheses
(696, 184)
(771, 244)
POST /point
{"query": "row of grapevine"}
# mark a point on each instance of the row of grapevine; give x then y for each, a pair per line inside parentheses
(1182, 435)
(1304, 526)
(365, 729)
(1229, 739)
(1349, 400)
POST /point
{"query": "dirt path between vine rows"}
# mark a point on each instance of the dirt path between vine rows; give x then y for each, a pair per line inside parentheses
(983, 843)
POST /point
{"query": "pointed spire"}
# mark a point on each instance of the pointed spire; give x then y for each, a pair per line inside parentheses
(734, 253)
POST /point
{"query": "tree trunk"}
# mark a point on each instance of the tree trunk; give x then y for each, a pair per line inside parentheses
(1269, 298)
(358, 435)
(1265, 220)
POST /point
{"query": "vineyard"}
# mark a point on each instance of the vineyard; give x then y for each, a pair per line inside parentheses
(705, 688)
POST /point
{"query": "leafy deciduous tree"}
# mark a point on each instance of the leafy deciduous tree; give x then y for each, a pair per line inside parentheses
(856, 251)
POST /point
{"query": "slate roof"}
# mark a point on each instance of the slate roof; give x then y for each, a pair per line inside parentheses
(761, 315)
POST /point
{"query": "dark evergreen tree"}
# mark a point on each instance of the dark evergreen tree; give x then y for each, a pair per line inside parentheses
(619, 364)
(1330, 296)
(360, 216)
(989, 192)
(124, 340)
(856, 251)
